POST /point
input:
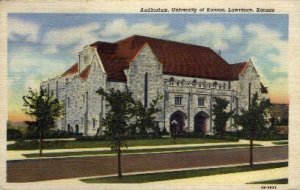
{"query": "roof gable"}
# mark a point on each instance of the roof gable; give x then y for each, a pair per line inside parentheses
(177, 58)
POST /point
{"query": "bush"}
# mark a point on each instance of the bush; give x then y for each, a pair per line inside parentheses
(34, 144)
(14, 134)
(164, 132)
(266, 134)
(90, 138)
(225, 136)
(50, 134)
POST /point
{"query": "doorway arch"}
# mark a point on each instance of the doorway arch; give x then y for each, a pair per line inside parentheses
(76, 128)
(177, 122)
(200, 122)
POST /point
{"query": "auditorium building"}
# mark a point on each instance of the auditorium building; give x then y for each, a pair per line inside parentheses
(188, 76)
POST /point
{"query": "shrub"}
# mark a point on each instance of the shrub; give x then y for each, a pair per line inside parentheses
(225, 136)
(164, 132)
(50, 134)
(90, 138)
(14, 134)
(34, 144)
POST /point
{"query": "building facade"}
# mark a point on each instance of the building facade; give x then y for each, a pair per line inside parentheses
(188, 77)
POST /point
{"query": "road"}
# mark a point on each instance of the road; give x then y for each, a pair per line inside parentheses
(60, 168)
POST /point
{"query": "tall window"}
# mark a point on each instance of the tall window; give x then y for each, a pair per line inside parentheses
(69, 101)
(178, 100)
(56, 88)
(94, 123)
(200, 101)
(146, 90)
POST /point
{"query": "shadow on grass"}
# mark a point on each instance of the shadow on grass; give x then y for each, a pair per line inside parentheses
(275, 181)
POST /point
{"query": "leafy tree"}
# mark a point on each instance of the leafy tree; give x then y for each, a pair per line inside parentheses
(221, 116)
(145, 119)
(122, 108)
(45, 109)
(254, 119)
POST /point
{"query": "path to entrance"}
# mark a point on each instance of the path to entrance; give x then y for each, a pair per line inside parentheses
(61, 168)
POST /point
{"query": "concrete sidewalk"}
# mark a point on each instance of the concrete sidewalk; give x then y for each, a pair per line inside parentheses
(18, 154)
(226, 179)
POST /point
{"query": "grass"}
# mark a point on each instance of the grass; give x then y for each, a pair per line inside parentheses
(275, 181)
(144, 178)
(280, 142)
(130, 143)
(136, 151)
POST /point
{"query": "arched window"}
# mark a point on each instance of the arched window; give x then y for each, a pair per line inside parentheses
(146, 90)
(194, 82)
(215, 84)
(171, 81)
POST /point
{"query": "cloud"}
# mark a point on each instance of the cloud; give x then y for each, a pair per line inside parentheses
(269, 50)
(73, 37)
(214, 35)
(120, 28)
(269, 53)
(28, 31)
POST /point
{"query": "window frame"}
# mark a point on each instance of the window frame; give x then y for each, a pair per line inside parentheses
(198, 102)
(178, 100)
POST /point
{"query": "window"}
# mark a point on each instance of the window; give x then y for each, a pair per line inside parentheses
(94, 123)
(171, 81)
(178, 100)
(146, 90)
(200, 101)
(56, 88)
(194, 82)
(69, 101)
(215, 85)
(85, 58)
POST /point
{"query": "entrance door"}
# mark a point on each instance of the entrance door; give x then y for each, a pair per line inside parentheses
(200, 122)
(76, 129)
(177, 122)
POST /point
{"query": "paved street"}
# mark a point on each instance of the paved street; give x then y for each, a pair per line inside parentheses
(60, 168)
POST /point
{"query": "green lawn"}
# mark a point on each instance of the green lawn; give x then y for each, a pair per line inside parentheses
(280, 142)
(181, 149)
(275, 181)
(130, 143)
(144, 178)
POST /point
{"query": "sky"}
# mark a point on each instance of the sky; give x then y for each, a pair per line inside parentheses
(42, 46)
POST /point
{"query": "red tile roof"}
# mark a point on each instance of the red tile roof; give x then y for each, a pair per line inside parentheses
(237, 69)
(72, 70)
(85, 73)
(177, 58)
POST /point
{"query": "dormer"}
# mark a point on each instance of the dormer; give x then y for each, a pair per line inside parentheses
(85, 58)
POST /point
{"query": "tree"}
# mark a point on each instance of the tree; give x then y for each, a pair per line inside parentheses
(145, 119)
(45, 109)
(221, 116)
(122, 109)
(254, 119)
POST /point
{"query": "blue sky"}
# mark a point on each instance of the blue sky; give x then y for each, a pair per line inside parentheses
(41, 46)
